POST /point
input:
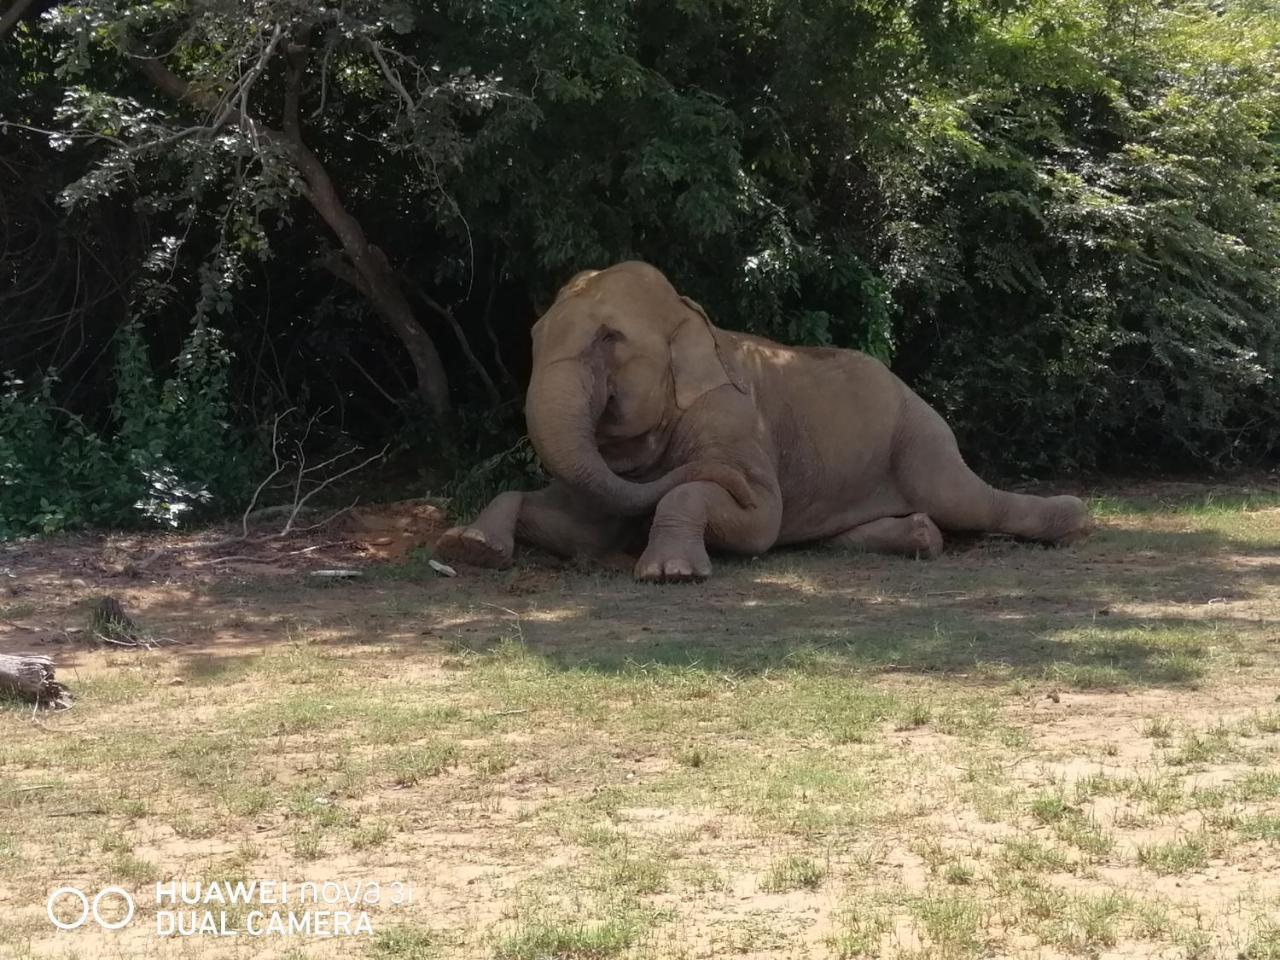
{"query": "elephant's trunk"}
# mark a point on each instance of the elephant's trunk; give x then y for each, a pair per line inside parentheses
(566, 399)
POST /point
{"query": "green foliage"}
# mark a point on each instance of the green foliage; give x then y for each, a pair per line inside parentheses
(170, 452)
(1058, 219)
(1097, 277)
(55, 472)
(177, 433)
(478, 475)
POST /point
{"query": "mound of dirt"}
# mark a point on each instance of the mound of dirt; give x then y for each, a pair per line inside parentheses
(388, 531)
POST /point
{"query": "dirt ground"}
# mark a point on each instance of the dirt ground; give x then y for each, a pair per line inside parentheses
(1007, 752)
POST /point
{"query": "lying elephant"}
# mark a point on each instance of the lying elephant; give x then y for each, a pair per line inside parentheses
(655, 423)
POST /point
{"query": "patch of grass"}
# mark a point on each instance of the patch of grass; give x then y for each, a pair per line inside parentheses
(1051, 807)
(859, 932)
(596, 835)
(370, 836)
(1070, 824)
(703, 877)
(112, 842)
(1259, 785)
(126, 869)
(409, 767)
(307, 845)
(952, 924)
(1268, 722)
(313, 808)
(793, 873)
(1086, 835)
(243, 800)
(635, 876)
(1178, 856)
(112, 689)
(1082, 923)
(568, 941)
(1028, 853)
(959, 874)
(493, 761)
(914, 716)
(1158, 728)
(1264, 942)
(404, 943)
(1211, 746)
(1259, 826)
(692, 757)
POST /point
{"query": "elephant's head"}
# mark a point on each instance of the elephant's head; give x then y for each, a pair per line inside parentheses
(618, 356)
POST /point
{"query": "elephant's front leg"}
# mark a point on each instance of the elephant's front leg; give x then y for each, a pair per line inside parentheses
(551, 519)
(695, 516)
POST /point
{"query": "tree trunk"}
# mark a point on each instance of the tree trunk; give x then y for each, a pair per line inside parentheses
(376, 280)
(30, 677)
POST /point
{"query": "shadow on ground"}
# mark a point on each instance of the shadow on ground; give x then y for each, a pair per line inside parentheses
(1150, 599)
(1128, 608)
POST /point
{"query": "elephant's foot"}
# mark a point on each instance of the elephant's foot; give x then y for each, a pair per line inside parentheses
(913, 536)
(673, 563)
(926, 538)
(1071, 522)
(471, 545)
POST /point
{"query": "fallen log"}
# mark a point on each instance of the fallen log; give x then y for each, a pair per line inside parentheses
(30, 677)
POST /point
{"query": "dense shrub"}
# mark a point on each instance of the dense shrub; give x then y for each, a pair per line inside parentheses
(1058, 219)
(168, 453)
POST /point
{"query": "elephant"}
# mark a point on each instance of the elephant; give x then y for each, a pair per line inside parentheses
(663, 432)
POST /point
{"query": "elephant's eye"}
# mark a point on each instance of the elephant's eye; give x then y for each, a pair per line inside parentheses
(610, 336)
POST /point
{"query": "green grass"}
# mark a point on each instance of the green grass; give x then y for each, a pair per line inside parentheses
(568, 941)
(1176, 857)
(952, 925)
(405, 943)
(1264, 942)
(793, 873)
(623, 771)
(860, 932)
(410, 766)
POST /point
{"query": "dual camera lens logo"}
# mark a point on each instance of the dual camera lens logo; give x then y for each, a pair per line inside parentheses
(110, 895)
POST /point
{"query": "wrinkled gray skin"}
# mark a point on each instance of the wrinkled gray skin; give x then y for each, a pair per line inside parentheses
(663, 431)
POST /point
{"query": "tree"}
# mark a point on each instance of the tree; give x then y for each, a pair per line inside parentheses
(229, 62)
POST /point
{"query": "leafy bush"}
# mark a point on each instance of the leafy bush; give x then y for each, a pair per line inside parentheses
(55, 472)
(169, 452)
(1058, 219)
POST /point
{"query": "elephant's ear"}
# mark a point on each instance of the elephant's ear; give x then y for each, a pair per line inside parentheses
(696, 362)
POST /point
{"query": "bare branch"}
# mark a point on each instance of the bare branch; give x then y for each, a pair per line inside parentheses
(279, 468)
(303, 502)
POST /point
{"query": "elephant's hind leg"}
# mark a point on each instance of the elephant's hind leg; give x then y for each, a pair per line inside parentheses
(913, 536)
(548, 519)
(934, 478)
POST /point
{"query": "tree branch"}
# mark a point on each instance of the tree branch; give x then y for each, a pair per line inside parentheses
(392, 77)
(377, 281)
(11, 16)
(444, 312)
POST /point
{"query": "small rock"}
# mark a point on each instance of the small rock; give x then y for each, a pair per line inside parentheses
(442, 568)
